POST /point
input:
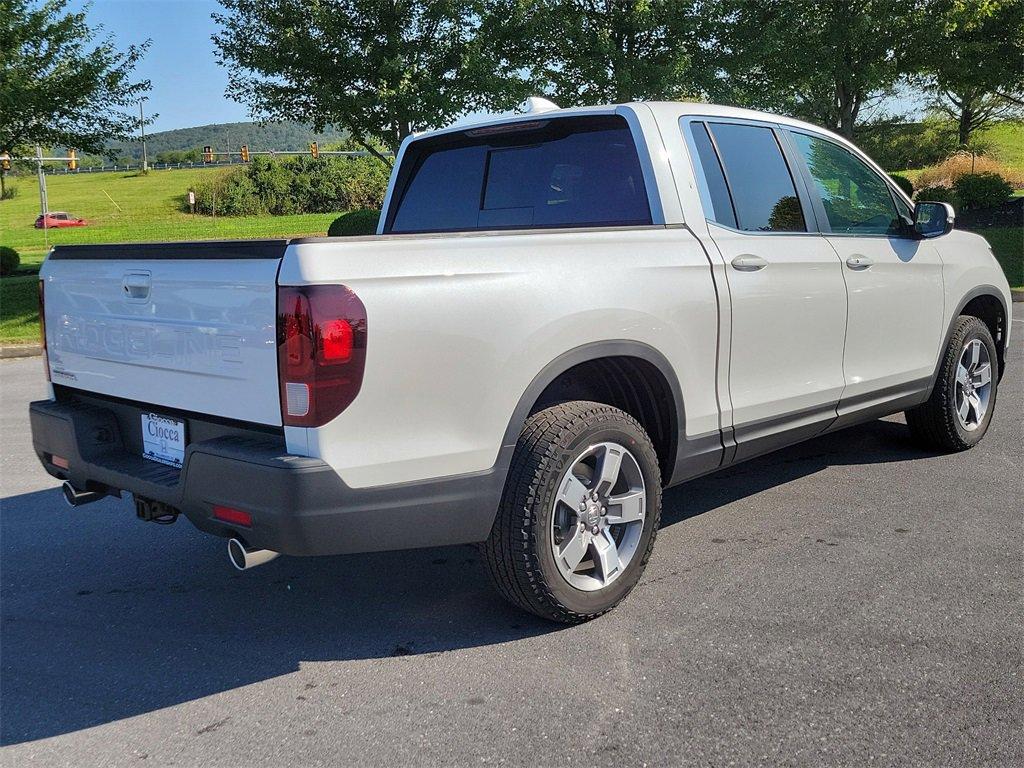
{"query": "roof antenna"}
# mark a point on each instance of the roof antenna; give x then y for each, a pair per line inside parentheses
(535, 105)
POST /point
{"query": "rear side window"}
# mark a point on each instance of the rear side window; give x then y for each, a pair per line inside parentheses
(761, 188)
(568, 172)
(717, 191)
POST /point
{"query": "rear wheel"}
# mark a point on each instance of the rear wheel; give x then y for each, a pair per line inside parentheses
(960, 408)
(579, 514)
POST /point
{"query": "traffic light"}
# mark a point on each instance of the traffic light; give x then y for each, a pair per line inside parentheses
(314, 150)
(245, 153)
(207, 154)
(72, 160)
(5, 162)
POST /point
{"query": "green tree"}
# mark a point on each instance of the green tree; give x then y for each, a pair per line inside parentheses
(586, 52)
(822, 60)
(61, 86)
(379, 69)
(172, 156)
(974, 66)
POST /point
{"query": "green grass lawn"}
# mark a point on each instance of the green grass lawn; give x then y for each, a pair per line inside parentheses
(120, 208)
(19, 309)
(1008, 246)
(1007, 140)
(127, 207)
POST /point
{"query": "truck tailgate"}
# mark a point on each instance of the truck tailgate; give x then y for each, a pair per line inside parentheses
(190, 326)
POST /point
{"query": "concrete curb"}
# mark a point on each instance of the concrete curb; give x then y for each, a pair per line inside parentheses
(20, 350)
(1018, 295)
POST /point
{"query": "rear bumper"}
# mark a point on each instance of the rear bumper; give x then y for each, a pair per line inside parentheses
(299, 505)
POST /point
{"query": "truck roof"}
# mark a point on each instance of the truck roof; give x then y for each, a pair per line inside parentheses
(661, 109)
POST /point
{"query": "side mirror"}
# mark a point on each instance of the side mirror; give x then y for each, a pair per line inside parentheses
(933, 219)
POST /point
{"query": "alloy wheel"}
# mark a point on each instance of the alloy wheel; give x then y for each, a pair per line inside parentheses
(598, 516)
(973, 384)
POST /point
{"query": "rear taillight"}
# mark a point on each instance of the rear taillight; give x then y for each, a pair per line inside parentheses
(42, 329)
(321, 352)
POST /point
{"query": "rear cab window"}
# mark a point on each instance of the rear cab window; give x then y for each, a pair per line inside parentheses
(538, 174)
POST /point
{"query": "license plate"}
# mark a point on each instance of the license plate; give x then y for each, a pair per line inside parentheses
(163, 439)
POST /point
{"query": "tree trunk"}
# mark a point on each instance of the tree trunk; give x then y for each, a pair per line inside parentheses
(375, 152)
(966, 123)
(404, 130)
(847, 102)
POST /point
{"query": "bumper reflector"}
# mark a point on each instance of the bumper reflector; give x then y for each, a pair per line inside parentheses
(58, 461)
(297, 398)
(231, 515)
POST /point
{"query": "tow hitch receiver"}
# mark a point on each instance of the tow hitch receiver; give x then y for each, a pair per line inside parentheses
(155, 511)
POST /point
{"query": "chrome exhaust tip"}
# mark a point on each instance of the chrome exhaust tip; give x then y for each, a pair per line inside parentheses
(244, 558)
(76, 498)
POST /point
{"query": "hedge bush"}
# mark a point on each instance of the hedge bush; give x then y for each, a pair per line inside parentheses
(982, 190)
(903, 183)
(935, 194)
(282, 187)
(10, 260)
(952, 168)
(361, 222)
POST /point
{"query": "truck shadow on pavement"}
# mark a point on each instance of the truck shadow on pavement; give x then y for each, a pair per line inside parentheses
(105, 618)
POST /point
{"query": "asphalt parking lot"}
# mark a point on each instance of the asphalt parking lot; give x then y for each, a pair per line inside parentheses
(849, 601)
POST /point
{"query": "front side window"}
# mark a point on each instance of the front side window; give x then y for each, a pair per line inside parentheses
(856, 199)
(567, 172)
(761, 187)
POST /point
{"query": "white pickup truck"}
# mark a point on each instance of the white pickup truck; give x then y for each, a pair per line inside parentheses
(563, 312)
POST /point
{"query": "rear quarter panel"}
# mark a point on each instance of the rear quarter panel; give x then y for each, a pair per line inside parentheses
(460, 325)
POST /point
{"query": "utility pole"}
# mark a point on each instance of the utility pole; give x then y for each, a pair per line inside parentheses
(44, 203)
(142, 126)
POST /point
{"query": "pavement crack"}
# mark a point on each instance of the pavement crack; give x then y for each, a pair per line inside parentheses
(212, 726)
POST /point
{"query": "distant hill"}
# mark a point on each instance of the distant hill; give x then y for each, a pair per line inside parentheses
(228, 137)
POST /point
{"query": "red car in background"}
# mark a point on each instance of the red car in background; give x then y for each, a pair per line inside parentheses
(56, 219)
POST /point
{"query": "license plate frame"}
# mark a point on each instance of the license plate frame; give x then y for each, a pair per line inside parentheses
(163, 439)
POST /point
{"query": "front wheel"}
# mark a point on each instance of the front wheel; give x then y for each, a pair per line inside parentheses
(960, 408)
(579, 514)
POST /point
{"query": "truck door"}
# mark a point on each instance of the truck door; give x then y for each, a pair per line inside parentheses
(787, 294)
(894, 281)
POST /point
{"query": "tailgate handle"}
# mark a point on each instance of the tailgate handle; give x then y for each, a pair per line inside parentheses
(136, 286)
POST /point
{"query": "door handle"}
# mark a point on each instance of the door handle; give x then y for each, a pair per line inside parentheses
(859, 262)
(748, 263)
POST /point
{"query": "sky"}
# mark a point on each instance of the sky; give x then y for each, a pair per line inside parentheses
(188, 84)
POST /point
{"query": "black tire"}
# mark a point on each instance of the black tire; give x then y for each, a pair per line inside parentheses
(935, 424)
(519, 552)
